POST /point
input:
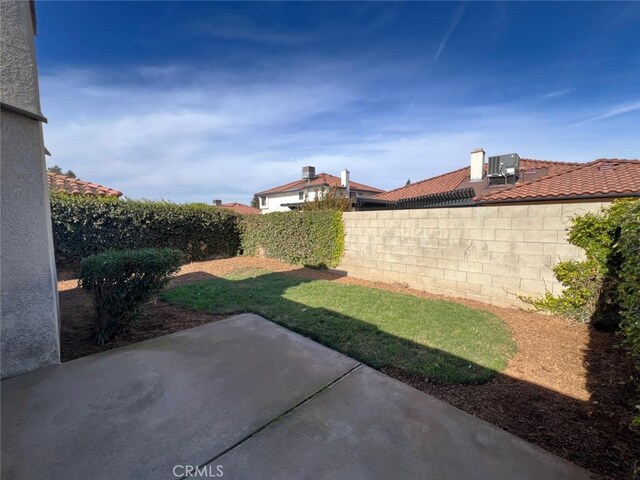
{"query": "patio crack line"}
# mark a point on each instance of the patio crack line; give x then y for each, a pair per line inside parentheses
(282, 415)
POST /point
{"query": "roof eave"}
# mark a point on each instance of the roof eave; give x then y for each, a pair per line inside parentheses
(480, 201)
(297, 189)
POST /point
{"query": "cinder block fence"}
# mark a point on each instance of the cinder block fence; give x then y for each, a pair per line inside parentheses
(486, 253)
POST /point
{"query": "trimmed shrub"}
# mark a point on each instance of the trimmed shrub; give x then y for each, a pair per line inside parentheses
(314, 239)
(122, 281)
(85, 225)
(582, 281)
(592, 287)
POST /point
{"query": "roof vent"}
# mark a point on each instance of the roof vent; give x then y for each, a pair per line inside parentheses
(503, 169)
(308, 173)
(217, 202)
(607, 167)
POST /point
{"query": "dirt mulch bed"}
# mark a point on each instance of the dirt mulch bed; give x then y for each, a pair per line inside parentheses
(565, 390)
(159, 318)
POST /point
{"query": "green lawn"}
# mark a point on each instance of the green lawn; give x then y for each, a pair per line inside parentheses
(443, 341)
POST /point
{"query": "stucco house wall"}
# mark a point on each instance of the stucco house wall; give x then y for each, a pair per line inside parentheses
(29, 336)
(274, 201)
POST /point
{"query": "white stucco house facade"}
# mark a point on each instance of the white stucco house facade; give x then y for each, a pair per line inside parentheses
(29, 327)
(292, 195)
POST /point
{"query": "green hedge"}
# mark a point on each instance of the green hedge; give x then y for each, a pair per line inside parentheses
(314, 239)
(629, 286)
(87, 225)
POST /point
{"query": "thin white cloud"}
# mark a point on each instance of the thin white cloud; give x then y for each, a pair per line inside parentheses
(613, 112)
(243, 28)
(237, 28)
(455, 20)
(559, 93)
(154, 71)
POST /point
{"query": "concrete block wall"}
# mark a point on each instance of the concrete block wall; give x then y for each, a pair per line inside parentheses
(490, 253)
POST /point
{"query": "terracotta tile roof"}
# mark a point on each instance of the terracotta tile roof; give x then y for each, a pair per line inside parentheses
(241, 208)
(552, 167)
(442, 183)
(321, 179)
(75, 186)
(600, 178)
(533, 169)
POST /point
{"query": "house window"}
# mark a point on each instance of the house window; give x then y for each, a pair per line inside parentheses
(263, 201)
(300, 195)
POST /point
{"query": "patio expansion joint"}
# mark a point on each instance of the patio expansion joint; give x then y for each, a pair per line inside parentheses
(279, 417)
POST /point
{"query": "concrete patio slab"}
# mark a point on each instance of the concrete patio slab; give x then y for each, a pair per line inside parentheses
(138, 411)
(370, 426)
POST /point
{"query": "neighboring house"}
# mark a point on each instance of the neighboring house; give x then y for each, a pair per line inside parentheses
(508, 179)
(74, 186)
(292, 195)
(238, 207)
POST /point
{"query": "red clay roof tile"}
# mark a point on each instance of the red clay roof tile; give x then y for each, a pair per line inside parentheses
(322, 179)
(75, 186)
(241, 208)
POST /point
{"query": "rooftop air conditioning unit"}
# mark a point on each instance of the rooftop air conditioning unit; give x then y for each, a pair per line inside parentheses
(503, 169)
(504, 165)
(308, 173)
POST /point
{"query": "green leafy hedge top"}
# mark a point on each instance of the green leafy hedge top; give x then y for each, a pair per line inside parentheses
(313, 238)
(84, 225)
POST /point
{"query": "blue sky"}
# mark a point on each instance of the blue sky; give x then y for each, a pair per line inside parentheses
(192, 101)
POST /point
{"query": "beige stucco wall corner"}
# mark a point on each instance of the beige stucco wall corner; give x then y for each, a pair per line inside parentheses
(29, 325)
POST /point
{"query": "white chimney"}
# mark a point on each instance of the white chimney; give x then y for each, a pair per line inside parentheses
(344, 180)
(477, 165)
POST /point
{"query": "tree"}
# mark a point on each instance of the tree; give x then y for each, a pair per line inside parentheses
(255, 202)
(331, 199)
(56, 169)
